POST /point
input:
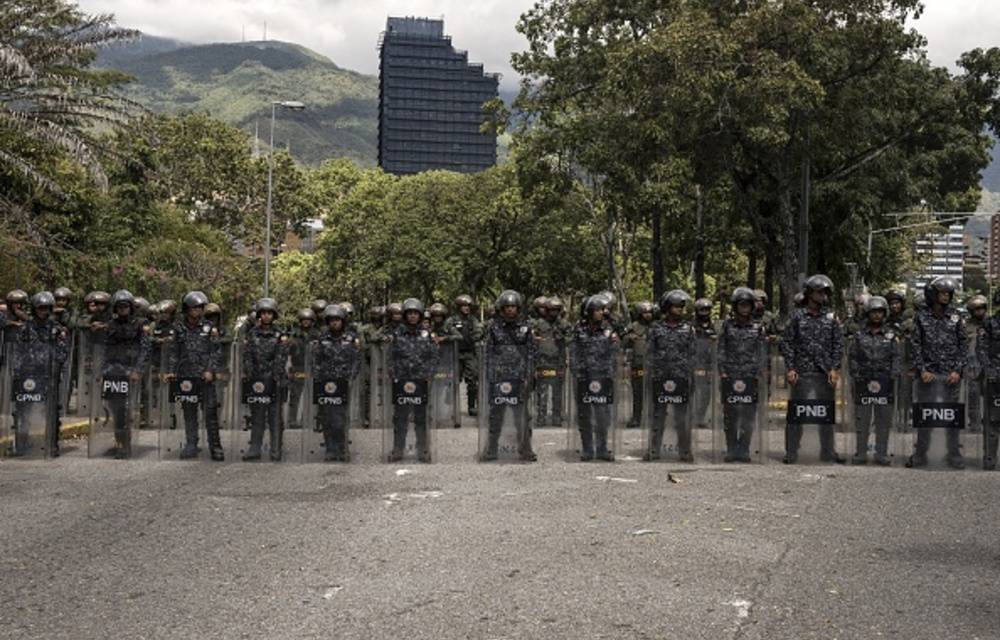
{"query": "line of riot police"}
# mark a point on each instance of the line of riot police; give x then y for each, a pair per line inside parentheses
(154, 383)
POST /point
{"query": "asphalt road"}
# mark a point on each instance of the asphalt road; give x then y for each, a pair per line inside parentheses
(458, 549)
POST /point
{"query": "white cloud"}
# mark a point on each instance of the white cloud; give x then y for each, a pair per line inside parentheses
(347, 30)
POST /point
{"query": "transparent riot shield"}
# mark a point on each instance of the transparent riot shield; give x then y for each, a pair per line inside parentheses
(332, 410)
(810, 430)
(258, 431)
(223, 384)
(407, 405)
(444, 388)
(6, 392)
(552, 393)
(157, 412)
(115, 408)
(194, 402)
(873, 404)
(376, 386)
(740, 401)
(595, 428)
(86, 340)
(940, 437)
(31, 404)
(991, 423)
(702, 388)
(668, 419)
(507, 403)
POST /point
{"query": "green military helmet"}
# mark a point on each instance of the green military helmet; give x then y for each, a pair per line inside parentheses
(318, 306)
(976, 302)
(348, 309)
(876, 303)
(194, 299)
(861, 300)
(508, 298)
(168, 307)
(63, 293)
(393, 307)
(102, 297)
(674, 298)
(540, 303)
(43, 299)
(413, 304)
(702, 304)
(142, 307)
(376, 312)
(90, 297)
(334, 311)
(759, 294)
(267, 304)
(122, 296)
(743, 294)
(438, 309)
(644, 306)
(307, 314)
(462, 300)
(212, 309)
(17, 296)
(555, 304)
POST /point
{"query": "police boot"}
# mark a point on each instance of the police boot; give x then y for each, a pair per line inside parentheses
(917, 460)
(655, 445)
(828, 452)
(525, 451)
(190, 449)
(277, 434)
(492, 444)
(423, 448)
(586, 445)
(992, 439)
(732, 446)
(684, 445)
(793, 436)
(601, 445)
(256, 441)
(215, 446)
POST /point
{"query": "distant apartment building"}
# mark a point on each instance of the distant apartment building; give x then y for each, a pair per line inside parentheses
(431, 101)
(993, 248)
(946, 254)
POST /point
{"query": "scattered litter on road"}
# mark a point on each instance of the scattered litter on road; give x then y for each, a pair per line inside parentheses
(672, 478)
(645, 532)
(614, 479)
(742, 607)
(403, 472)
(331, 592)
(728, 529)
(630, 458)
(392, 498)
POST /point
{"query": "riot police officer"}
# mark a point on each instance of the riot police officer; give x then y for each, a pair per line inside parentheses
(706, 335)
(41, 346)
(593, 354)
(264, 357)
(468, 326)
(126, 354)
(977, 307)
(636, 335)
(552, 332)
(671, 357)
(742, 353)
(988, 355)
(412, 356)
(195, 353)
(812, 347)
(337, 357)
(939, 350)
(874, 358)
(298, 344)
(510, 350)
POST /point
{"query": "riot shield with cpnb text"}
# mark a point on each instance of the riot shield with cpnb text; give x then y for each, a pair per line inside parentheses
(940, 436)
(333, 405)
(595, 420)
(29, 404)
(506, 403)
(445, 389)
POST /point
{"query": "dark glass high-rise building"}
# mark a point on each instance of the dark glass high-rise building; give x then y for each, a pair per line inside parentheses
(431, 101)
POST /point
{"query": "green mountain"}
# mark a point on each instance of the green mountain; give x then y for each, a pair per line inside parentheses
(237, 83)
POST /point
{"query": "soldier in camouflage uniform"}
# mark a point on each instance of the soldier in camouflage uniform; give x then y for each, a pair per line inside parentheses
(550, 363)
(977, 307)
(412, 356)
(858, 320)
(439, 319)
(264, 355)
(762, 315)
(161, 340)
(223, 376)
(538, 308)
(370, 334)
(510, 349)
(874, 357)
(813, 347)
(195, 353)
(468, 326)
(16, 314)
(593, 354)
(126, 353)
(635, 349)
(707, 335)
(988, 355)
(336, 356)
(63, 311)
(671, 356)
(41, 346)
(298, 343)
(742, 355)
(939, 347)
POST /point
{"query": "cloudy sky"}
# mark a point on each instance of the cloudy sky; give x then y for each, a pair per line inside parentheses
(347, 30)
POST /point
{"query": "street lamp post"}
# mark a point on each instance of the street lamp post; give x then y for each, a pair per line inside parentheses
(291, 105)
